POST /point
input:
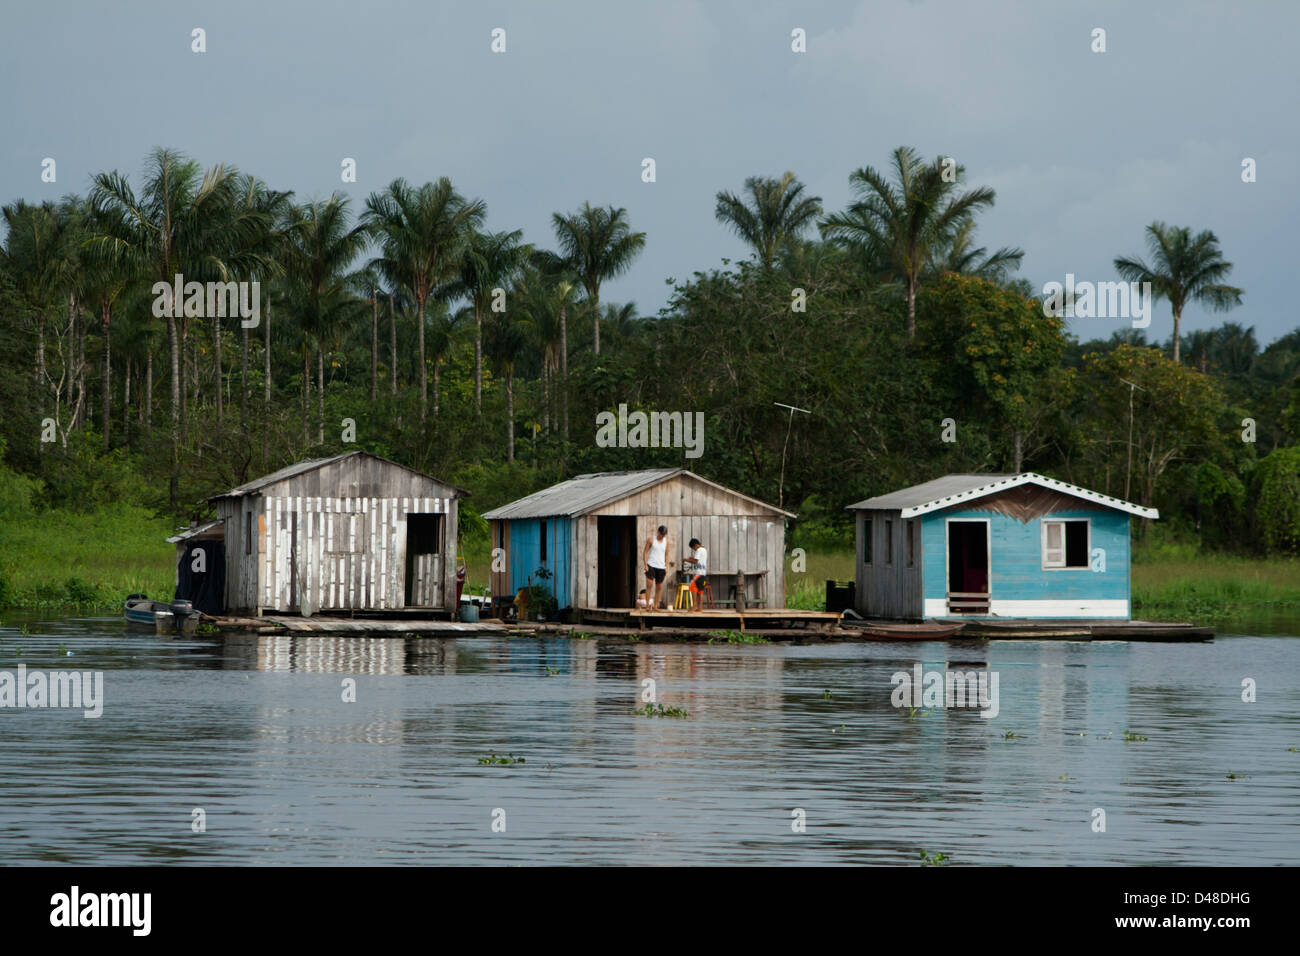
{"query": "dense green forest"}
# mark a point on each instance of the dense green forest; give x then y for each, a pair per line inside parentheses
(402, 326)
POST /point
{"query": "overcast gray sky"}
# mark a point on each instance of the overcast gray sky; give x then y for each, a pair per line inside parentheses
(1084, 149)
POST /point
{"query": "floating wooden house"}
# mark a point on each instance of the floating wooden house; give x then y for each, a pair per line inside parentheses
(1010, 546)
(583, 538)
(350, 533)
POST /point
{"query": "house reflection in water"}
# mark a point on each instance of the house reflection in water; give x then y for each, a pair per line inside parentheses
(339, 654)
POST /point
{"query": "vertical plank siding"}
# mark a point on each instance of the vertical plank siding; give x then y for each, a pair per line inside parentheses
(740, 534)
(349, 548)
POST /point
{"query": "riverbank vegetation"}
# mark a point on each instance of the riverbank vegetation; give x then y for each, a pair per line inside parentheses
(404, 321)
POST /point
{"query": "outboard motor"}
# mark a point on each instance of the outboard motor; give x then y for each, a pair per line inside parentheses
(182, 608)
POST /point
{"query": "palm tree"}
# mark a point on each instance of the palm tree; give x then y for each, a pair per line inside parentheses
(901, 223)
(36, 256)
(597, 244)
(422, 233)
(489, 262)
(1185, 268)
(962, 256)
(322, 243)
(777, 212)
(185, 222)
(509, 335)
(564, 281)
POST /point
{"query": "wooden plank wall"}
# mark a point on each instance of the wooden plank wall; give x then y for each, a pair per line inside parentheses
(739, 534)
(351, 553)
(888, 588)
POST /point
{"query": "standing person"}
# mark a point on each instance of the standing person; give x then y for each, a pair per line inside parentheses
(655, 557)
(699, 562)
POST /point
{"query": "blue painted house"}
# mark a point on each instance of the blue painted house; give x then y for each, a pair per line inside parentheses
(583, 538)
(1010, 546)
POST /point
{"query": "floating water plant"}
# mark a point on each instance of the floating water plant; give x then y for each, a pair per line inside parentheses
(659, 710)
(1011, 735)
(826, 695)
(492, 760)
(552, 672)
(1129, 735)
(736, 637)
(939, 859)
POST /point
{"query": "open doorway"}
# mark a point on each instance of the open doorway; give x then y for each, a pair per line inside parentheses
(968, 567)
(424, 560)
(616, 571)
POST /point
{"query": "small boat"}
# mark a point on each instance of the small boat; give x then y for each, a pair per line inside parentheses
(924, 631)
(161, 617)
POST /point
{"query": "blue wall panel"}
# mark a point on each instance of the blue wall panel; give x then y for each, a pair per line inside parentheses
(1016, 571)
(525, 555)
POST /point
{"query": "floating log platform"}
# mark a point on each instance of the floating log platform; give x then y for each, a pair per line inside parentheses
(713, 618)
(1059, 630)
(396, 627)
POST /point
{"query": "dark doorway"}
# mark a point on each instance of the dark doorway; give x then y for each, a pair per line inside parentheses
(423, 560)
(968, 567)
(206, 588)
(617, 563)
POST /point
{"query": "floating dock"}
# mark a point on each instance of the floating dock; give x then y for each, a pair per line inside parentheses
(713, 618)
(396, 627)
(1046, 630)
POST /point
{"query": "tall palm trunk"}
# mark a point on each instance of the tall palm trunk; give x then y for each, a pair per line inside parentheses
(374, 344)
(1178, 318)
(266, 387)
(173, 341)
(306, 393)
(105, 315)
(510, 412)
(564, 372)
(595, 319)
(424, 369)
(392, 346)
(320, 393)
(216, 357)
(911, 308)
(478, 359)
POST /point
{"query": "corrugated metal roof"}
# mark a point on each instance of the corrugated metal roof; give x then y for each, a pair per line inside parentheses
(922, 494)
(952, 490)
(304, 466)
(193, 532)
(581, 494)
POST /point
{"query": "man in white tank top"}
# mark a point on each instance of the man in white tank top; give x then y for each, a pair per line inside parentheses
(655, 557)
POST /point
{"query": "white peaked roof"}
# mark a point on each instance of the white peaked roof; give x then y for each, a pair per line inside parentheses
(951, 490)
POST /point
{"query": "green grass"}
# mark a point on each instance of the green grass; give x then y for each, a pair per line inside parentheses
(806, 589)
(61, 559)
(1175, 584)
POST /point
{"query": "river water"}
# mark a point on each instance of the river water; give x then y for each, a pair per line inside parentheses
(788, 753)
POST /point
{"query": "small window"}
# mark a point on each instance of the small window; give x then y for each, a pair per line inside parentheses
(1065, 544)
(868, 529)
(889, 541)
(911, 543)
(541, 538)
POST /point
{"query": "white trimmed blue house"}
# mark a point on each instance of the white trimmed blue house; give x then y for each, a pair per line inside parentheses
(994, 546)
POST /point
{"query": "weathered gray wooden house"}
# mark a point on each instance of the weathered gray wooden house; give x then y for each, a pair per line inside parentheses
(354, 532)
(588, 533)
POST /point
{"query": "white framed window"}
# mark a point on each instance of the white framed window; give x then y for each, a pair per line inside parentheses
(1066, 543)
